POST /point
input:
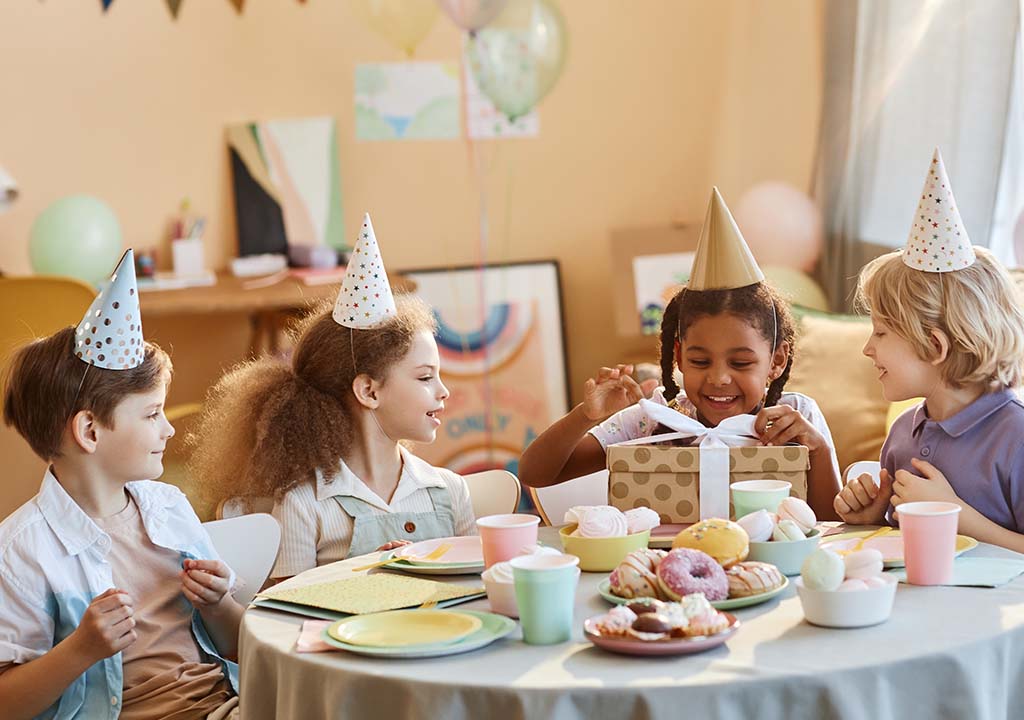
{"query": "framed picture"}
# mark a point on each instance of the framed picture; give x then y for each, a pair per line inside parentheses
(501, 340)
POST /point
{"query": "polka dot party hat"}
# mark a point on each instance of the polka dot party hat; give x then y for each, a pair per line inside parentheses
(110, 334)
(365, 300)
(938, 240)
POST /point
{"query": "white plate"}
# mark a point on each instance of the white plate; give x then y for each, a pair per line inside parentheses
(465, 550)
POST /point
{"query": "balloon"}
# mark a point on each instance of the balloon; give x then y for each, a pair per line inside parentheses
(403, 23)
(781, 225)
(77, 236)
(471, 15)
(517, 59)
(796, 286)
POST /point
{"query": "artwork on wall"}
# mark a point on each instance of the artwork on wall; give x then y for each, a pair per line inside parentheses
(502, 358)
(287, 184)
(407, 101)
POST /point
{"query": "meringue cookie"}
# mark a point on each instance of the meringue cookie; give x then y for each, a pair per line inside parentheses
(822, 570)
(641, 519)
(498, 573)
(787, 531)
(852, 585)
(758, 524)
(863, 564)
(795, 509)
(601, 521)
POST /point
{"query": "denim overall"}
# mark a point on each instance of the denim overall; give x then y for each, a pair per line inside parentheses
(371, 529)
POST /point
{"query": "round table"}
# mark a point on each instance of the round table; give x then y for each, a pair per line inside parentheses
(953, 652)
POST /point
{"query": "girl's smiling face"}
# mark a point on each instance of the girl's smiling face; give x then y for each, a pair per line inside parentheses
(726, 364)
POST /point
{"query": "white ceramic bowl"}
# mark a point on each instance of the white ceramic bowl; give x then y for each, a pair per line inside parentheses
(848, 609)
(787, 556)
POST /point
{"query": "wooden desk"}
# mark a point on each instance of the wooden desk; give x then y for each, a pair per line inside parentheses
(270, 307)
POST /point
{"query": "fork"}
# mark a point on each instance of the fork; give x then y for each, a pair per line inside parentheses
(436, 554)
(860, 544)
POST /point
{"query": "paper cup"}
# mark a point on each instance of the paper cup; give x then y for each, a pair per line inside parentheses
(504, 536)
(929, 541)
(751, 495)
(546, 596)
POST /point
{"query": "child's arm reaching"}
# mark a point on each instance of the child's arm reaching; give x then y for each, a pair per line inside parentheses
(565, 450)
(781, 424)
(933, 486)
(205, 584)
(28, 689)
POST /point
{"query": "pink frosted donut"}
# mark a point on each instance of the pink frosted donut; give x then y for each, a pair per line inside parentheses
(685, 571)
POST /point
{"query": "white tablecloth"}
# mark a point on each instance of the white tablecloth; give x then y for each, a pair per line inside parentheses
(947, 652)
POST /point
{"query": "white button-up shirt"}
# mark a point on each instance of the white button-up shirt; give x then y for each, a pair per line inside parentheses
(315, 530)
(53, 562)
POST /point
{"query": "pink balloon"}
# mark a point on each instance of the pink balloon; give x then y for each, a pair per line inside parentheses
(781, 224)
(471, 15)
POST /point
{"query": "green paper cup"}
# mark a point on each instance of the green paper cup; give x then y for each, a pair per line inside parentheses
(751, 495)
(546, 595)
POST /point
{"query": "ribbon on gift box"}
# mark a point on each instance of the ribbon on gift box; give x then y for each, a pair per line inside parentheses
(714, 444)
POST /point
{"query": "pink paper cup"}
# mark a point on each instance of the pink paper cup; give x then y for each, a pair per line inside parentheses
(504, 536)
(929, 541)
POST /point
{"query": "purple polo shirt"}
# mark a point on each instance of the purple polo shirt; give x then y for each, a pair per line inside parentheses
(980, 450)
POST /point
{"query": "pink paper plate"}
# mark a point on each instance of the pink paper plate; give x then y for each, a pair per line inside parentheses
(465, 551)
(675, 646)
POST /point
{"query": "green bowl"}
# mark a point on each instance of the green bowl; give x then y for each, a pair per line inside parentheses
(786, 556)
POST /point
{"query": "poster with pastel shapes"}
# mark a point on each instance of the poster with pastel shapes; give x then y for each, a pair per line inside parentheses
(110, 334)
(365, 300)
(938, 240)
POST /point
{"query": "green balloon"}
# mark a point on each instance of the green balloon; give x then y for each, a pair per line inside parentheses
(78, 236)
(517, 59)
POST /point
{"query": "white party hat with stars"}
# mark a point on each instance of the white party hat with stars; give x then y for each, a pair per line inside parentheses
(365, 300)
(938, 240)
(110, 334)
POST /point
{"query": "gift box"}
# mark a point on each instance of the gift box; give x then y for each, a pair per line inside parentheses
(672, 473)
(666, 477)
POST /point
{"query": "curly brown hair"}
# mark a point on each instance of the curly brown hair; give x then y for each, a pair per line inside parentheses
(268, 426)
(760, 304)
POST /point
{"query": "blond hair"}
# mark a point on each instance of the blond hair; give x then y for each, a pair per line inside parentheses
(268, 425)
(977, 308)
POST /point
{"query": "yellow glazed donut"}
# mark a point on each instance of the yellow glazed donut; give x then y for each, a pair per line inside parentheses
(723, 540)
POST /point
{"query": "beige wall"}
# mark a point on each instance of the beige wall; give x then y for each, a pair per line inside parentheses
(659, 99)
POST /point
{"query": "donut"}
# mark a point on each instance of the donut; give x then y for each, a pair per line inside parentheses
(753, 578)
(635, 576)
(686, 571)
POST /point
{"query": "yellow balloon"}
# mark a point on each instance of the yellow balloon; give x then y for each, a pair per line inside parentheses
(403, 23)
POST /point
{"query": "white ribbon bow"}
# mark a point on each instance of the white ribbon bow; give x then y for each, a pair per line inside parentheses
(714, 443)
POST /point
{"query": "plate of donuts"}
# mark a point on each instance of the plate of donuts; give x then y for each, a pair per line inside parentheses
(604, 588)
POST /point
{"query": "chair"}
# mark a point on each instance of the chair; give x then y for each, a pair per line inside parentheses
(552, 502)
(493, 492)
(248, 544)
(855, 470)
(233, 507)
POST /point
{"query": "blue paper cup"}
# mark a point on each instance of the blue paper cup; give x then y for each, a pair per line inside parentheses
(752, 495)
(545, 588)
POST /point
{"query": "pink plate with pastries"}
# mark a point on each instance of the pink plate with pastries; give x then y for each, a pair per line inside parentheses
(651, 648)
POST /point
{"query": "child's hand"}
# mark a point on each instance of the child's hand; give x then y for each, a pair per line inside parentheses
(107, 625)
(780, 424)
(394, 544)
(861, 503)
(204, 582)
(932, 487)
(611, 390)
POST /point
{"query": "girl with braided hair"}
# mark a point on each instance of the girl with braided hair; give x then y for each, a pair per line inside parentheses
(731, 337)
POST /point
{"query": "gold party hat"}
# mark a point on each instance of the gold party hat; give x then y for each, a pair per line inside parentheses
(723, 260)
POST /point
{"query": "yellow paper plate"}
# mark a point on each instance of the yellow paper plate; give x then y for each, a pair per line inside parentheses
(890, 544)
(405, 628)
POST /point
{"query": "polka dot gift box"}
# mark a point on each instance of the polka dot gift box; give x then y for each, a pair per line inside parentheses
(110, 334)
(938, 240)
(365, 300)
(664, 476)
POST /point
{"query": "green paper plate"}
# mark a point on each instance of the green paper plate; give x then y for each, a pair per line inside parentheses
(605, 589)
(494, 628)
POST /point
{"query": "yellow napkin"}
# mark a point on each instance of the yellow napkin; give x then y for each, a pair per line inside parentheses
(371, 593)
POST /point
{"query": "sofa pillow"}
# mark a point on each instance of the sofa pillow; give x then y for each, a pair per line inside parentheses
(830, 368)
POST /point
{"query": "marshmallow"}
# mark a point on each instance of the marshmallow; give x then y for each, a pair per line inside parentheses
(795, 509)
(758, 524)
